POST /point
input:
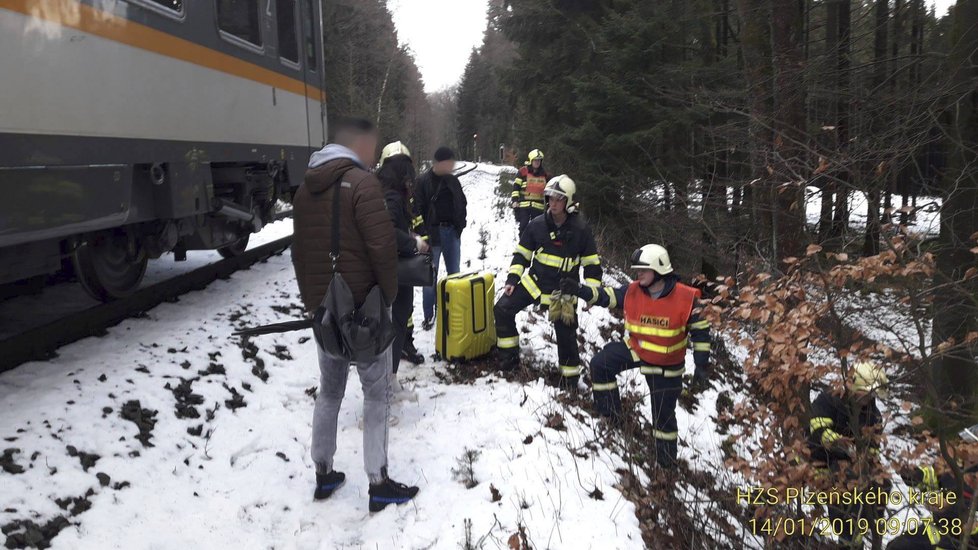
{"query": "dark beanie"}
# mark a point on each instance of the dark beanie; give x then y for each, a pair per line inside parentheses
(444, 153)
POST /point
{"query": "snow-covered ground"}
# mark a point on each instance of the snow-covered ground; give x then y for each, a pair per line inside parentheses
(221, 475)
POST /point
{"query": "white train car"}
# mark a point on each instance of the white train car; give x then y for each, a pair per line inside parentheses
(130, 128)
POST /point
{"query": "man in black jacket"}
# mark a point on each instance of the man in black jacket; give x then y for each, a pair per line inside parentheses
(555, 246)
(439, 200)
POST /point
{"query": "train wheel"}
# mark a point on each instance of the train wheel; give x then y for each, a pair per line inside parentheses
(234, 249)
(109, 266)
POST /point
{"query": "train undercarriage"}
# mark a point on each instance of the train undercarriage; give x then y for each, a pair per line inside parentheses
(170, 208)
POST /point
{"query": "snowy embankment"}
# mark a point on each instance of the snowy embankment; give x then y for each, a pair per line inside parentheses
(227, 426)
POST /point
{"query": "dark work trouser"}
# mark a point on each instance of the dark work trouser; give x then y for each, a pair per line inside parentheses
(615, 358)
(400, 314)
(508, 339)
(845, 518)
(525, 214)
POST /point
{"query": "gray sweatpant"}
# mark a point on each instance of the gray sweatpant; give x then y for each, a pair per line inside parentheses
(375, 377)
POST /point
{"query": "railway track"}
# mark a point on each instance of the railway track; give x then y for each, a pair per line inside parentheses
(41, 342)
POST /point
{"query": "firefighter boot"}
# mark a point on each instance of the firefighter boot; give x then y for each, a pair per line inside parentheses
(507, 360)
(666, 453)
(569, 384)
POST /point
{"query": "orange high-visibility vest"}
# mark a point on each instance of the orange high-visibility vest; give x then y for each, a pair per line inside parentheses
(657, 326)
(535, 186)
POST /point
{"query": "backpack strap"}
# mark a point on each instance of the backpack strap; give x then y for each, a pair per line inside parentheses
(334, 253)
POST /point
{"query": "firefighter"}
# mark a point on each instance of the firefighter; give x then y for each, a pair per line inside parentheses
(661, 318)
(553, 247)
(528, 190)
(947, 507)
(837, 436)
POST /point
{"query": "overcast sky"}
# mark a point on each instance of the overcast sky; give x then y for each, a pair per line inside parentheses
(442, 33)
(942, 6)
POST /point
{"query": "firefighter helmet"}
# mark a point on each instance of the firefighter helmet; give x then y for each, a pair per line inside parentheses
(654, 257)
(534, 155)
(393, 149)
(563, 186)
(869, 377)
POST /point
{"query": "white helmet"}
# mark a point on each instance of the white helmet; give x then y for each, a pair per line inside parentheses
(393, 149)
(563, 186)
(868, 376)
(534, 155)
(654, 257)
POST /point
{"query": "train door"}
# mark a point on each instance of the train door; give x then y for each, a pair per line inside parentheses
(312, 37)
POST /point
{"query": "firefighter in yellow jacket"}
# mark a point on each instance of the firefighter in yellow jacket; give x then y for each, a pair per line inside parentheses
(661, 319)
(555, 246)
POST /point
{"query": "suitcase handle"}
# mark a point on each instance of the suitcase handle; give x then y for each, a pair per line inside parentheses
(475, 322)
(461, 275)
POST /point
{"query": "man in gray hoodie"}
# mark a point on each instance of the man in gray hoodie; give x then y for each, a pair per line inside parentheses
(367, 258)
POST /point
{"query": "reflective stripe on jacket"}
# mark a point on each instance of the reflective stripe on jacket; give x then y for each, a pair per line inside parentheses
(547, 253)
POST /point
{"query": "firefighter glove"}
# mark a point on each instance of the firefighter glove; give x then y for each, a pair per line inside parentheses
(563, 308)
(570, 287)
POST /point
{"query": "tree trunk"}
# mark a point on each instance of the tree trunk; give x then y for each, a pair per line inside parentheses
(756, 46)
(955, 316)
(790, 169)
(916, 39)
(840, 221)
(830, 185)
(877, 175)
(896, 39)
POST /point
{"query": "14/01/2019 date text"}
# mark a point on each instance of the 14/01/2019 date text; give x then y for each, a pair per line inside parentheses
(828, 527)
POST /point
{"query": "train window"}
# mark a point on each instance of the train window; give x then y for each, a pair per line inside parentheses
(288, 44)
(310, 38)
(240, 18)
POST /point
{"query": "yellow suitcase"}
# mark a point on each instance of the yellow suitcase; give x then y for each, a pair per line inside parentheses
(466, 327)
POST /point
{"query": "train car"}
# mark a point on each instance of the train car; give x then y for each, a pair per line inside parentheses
(132, 128)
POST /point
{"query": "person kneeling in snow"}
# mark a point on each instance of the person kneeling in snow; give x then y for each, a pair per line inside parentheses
(661, 318)
(555, 246)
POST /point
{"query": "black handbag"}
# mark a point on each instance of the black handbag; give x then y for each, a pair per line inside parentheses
(417, 270)
(342, 330)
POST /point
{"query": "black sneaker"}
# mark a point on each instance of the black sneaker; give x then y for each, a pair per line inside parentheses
(428, 323)
(327, 484)
(389, 492)
(411, 355)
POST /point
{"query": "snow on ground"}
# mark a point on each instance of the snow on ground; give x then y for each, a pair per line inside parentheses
(244, 478)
